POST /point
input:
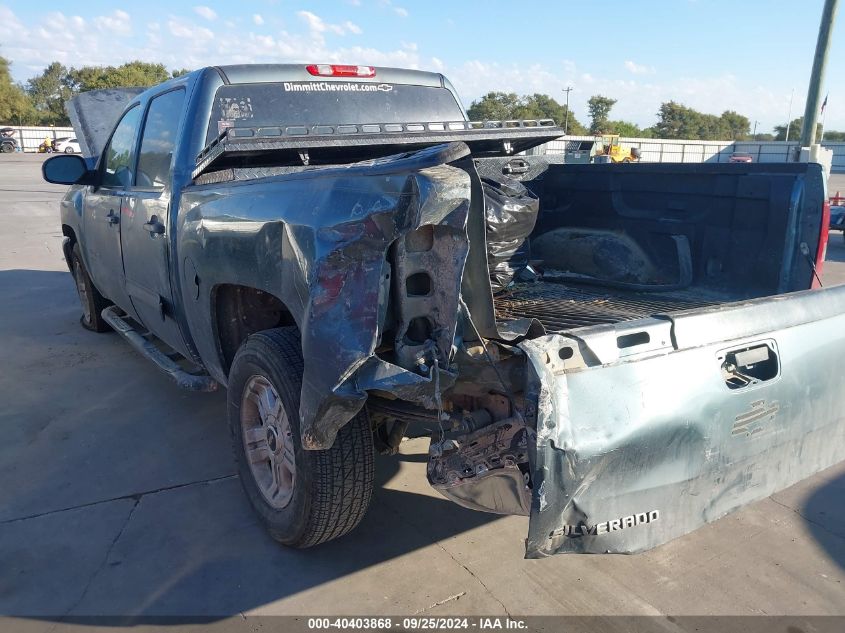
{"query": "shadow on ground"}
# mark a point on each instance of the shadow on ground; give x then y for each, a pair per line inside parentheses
(824, 512)
(120, 497)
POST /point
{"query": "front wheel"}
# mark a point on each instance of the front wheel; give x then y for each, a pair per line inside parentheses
(93, 303)
(304, 498)
(68, 150)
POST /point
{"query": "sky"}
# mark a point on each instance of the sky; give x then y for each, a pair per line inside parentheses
(711, 55)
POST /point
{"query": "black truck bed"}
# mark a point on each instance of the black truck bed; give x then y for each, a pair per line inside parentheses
(565, 306)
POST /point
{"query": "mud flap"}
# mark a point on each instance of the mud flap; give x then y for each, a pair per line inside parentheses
(650, 429)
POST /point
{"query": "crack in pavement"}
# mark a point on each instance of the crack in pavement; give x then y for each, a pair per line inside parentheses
(105, 558)
(402, 518)
(807, 519)
(456, 596)
(134, 495)
(478, 578)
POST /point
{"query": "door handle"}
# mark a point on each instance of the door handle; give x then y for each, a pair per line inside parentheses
(112, 218)
(154, 226)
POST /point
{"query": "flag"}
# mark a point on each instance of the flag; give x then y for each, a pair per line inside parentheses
(824, 103)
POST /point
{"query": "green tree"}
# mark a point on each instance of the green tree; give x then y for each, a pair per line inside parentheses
(494, 106)
(677, 121)
(599, 107)
(795, 130)
(49, 92)
(834, 136)
(736, 125)
(15, 106)
(179, 72)
(135, 73)
(499, 106)
(626, 128)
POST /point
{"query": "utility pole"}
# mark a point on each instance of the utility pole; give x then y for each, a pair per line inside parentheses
(789, 118)
(754, 133)
(814, 91)
(567, 90)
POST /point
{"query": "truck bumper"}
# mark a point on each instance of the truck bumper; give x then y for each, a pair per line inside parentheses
(637, 447)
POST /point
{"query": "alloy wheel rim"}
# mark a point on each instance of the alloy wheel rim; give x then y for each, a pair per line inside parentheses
(268, 443)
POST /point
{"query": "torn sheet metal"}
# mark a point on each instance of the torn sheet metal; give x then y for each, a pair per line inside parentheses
(636, 449)
(94, 114)
(339, 241)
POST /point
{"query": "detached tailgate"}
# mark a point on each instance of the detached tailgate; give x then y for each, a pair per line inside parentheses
(649, 429)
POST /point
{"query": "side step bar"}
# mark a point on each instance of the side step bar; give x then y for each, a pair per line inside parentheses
(186, 380)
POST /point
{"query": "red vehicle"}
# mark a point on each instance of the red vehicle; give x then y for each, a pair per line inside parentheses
(741, 157)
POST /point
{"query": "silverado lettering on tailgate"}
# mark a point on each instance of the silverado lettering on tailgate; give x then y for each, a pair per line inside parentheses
(607, 526)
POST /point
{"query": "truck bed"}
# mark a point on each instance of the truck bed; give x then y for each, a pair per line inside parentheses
(564, 306)
(700, 235)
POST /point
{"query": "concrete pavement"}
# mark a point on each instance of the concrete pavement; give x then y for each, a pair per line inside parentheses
(119, 497)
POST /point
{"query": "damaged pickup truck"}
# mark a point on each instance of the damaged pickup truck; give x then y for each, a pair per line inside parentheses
(622, 352)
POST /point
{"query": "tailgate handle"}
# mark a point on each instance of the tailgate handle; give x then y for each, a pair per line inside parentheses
(750, 364)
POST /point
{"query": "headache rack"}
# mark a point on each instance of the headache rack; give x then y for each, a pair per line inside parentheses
(298, 145)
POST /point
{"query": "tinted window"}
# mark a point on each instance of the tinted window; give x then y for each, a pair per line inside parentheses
(328, 103)
(159, 139)
(120, 153)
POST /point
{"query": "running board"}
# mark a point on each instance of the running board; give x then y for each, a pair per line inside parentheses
(165, 362)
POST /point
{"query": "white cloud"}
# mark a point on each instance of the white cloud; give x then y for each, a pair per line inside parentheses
(638, 98)
(257, 19)
(186, 42)
(318, 26)
(118, 23)
(206, 12)
(388, 4)
(189, 32)
(639, 69)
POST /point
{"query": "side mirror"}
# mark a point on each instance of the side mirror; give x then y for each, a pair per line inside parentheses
(67, 169)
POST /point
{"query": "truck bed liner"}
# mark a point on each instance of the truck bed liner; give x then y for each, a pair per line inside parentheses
(565, 306)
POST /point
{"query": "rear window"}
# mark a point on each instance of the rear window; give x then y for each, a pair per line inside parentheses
(311, 103)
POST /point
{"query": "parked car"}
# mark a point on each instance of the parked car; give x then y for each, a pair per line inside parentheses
(624, 354)
(8, 143)
(741, 157)
(66, 146)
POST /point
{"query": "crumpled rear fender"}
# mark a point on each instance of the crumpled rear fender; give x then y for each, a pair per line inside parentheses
(346, 267)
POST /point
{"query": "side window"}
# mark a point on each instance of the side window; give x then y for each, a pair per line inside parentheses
(159, 139)
(120, 153)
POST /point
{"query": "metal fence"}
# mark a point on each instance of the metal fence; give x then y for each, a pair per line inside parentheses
(29, 138)
(674, 151)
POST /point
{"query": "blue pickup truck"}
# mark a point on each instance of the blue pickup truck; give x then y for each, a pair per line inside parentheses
(624, 353)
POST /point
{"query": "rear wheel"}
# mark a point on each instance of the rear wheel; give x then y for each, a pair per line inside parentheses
(7, 148)
(68, 150)
(303, 497)
(93, 303)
